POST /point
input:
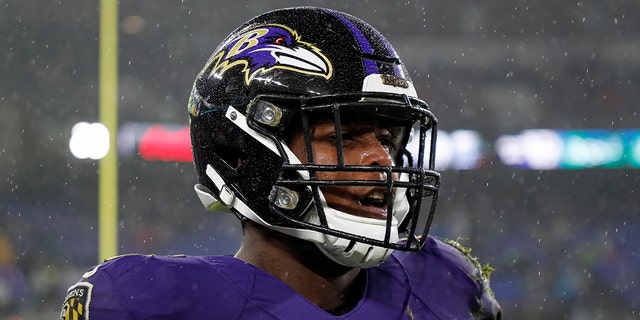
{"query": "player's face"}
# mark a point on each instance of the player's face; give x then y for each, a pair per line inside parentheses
(364, 143)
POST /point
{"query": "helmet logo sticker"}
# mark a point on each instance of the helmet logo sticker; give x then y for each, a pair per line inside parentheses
(392, 80)
(268, 47)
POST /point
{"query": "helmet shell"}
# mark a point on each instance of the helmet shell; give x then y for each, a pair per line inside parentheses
(296, 51)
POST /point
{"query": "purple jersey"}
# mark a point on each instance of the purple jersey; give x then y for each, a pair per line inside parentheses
(439, 282)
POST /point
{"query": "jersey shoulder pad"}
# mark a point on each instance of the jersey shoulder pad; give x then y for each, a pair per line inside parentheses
(449, 279)
(481, 274)
(143, 286)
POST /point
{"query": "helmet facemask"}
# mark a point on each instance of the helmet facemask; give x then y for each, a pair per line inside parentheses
(298, 198)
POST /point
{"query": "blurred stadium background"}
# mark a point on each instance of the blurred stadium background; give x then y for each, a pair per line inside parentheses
(538, 101)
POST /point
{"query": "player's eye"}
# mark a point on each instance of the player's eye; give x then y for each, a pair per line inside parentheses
(347, 135)
(387, 140)
(387, 144)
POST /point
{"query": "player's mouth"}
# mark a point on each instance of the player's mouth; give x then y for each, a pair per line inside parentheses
(374, 204)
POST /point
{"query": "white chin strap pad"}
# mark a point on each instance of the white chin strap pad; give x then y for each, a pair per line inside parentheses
(349, 252)
(356, 254)
(352, 253)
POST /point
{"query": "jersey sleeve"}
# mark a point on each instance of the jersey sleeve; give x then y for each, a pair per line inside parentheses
(155, 287)
(448, 283)
(95, 296)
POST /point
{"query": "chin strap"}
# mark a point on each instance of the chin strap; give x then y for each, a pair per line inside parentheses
(350, 252)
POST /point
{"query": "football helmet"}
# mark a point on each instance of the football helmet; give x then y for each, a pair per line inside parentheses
(272, 78)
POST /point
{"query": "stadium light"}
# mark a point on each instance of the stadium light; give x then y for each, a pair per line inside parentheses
(89, 140)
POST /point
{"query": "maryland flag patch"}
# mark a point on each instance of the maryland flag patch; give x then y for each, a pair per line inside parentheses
(76, 304)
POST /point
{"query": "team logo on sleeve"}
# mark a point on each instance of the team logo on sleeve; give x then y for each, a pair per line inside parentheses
(266, 48)
(76, 304)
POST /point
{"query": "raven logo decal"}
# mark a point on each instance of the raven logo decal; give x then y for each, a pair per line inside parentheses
(268, 47)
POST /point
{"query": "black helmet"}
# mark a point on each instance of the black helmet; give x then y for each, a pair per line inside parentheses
(271, 78)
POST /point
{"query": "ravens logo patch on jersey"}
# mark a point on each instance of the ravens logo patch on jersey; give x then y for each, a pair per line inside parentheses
(76, 304)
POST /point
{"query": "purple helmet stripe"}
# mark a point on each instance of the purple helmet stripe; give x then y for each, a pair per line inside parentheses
(370, 66)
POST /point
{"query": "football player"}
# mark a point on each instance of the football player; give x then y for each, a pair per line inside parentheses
(306, 125)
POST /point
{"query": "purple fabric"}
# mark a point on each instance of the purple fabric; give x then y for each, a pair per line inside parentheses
(437, 283)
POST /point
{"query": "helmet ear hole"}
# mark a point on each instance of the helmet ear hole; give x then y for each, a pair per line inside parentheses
(232, 157)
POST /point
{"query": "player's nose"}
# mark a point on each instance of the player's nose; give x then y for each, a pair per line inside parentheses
(374, 153)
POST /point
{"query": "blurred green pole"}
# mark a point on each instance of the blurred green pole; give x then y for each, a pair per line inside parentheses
(108, 174)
